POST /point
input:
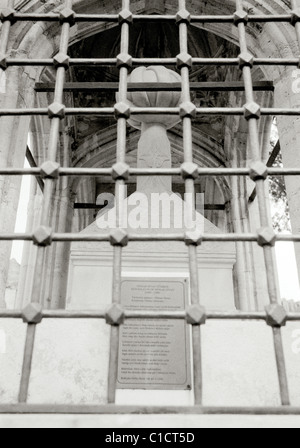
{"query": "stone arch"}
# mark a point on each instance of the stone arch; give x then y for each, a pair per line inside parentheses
(41, 40)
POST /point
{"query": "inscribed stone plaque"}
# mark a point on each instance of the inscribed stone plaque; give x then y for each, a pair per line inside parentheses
(154, 354)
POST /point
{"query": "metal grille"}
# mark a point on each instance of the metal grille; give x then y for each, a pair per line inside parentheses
(44, 236)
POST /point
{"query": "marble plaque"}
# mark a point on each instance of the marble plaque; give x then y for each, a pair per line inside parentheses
(155, 354)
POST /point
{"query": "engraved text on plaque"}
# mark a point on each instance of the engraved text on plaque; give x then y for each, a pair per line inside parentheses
(154, 354)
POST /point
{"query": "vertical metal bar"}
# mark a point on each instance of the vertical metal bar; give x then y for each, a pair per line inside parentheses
(295, 5)
(5, 30)
(120, 184)
(264, 218)
(45, 215)
(30, 334)
(190, 190)
(27, 362)
(120, 196)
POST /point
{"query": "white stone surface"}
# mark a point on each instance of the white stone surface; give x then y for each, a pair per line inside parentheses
(91, 280)
(150, 421)
(11, 359)
(90, 277)
(70, 363)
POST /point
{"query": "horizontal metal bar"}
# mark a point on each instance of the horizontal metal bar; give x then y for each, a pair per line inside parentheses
(52, 17)
(97, 172)
(81, 206)
(86, 206)
(156, 87)
(110, 111)
(177, 315)
(177, 171)
(108, 62)
(55, 17)
(75, 237)
(11, 62)
(251, 18)
(25, 409)
(215, 207)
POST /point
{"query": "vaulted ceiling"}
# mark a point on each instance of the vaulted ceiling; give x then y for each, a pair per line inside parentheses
(148, 41)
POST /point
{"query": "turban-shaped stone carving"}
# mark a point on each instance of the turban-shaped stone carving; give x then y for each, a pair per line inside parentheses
(154, 99)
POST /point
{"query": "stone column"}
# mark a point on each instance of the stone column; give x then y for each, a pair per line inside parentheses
(14, 134)
(250, 272)
(154, 149)
(30, 251)
(287, 94)
(57, 256)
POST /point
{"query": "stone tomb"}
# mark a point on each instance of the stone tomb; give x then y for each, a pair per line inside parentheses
(90, 288)
(155, 359)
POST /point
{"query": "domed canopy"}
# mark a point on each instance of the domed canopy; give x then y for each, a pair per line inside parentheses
(148, 41)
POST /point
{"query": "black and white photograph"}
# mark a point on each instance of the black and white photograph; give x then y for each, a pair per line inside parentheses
(149, 217)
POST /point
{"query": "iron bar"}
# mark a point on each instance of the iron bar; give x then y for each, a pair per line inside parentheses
(270, 163)
(263, 213)
(87, 206)
(206, 237)
(190, 189)
(145, 410)
(295, 6)
(49, 186)
(120, 197)
(111, 62)
(110, 111)
(27, 362)
(33, 165)
(5, 31)
(156, 87)
(114, 18)
(177, 315)
(186, 86)
(98, 172)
